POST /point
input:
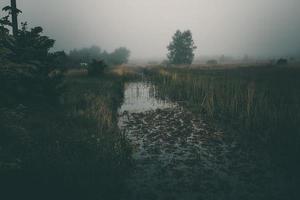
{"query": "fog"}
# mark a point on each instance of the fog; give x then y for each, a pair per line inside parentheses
(230, 27)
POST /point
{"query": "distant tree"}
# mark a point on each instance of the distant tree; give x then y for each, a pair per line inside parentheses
(119, 56)
(212, 62)
(86, 55)
(282, 61)
(181, 49)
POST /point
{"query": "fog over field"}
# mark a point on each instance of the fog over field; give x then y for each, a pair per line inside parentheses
(230, 27)
(150, 99)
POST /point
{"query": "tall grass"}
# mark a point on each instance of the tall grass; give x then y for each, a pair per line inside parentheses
(261, 104)
(68, 151)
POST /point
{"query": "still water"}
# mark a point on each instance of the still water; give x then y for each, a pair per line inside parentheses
(176, 154)
(141, 97)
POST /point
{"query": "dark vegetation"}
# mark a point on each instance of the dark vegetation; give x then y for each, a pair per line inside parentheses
(260, 106)
(212, 62)
(58, 134)
(282, 61)
(181, 49)
(96, 68)
(87, 55)
(29, 72)
(70, 151)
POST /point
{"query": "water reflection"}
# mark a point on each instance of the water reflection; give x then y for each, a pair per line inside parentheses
(171, 147)
(141, 97)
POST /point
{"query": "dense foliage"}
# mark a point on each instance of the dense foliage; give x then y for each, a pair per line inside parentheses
(87, 55)
(28, 71)
(96, 67)
(119, 56)
(181, 49)
(58, 135)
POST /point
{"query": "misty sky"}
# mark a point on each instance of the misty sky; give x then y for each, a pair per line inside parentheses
(230, 27)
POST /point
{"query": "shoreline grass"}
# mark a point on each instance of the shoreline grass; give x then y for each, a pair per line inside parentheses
(261, 104)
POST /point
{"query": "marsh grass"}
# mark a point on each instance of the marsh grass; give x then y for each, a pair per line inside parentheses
(127, 73)
(69, 151)
(260, 104)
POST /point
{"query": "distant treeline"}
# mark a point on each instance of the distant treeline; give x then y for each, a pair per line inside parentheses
(87, 55)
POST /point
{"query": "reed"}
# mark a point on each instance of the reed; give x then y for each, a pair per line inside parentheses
(260, 104)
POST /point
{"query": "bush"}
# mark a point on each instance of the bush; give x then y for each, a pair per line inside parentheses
(29, 73)
(282, 61)
(28, 84)
(96, 68)
(212, 62)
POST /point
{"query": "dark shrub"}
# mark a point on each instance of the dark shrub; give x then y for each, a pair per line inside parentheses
(28, 84)
(282, 61)
(96, 67)
(212, 62)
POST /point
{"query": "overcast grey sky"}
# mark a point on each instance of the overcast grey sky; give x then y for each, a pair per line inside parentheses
(230, 27)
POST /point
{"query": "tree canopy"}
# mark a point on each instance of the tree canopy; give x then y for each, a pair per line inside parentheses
(27, 65)
(181, 49)
(119, 56)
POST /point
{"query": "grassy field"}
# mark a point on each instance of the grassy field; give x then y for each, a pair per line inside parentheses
(73, 149)
(260, 104)
(70, 150)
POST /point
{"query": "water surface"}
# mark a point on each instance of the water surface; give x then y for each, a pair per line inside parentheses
(172, 148)
(141, 97)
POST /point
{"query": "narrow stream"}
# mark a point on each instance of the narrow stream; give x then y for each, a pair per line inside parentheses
(177, 155)
(141, 97)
